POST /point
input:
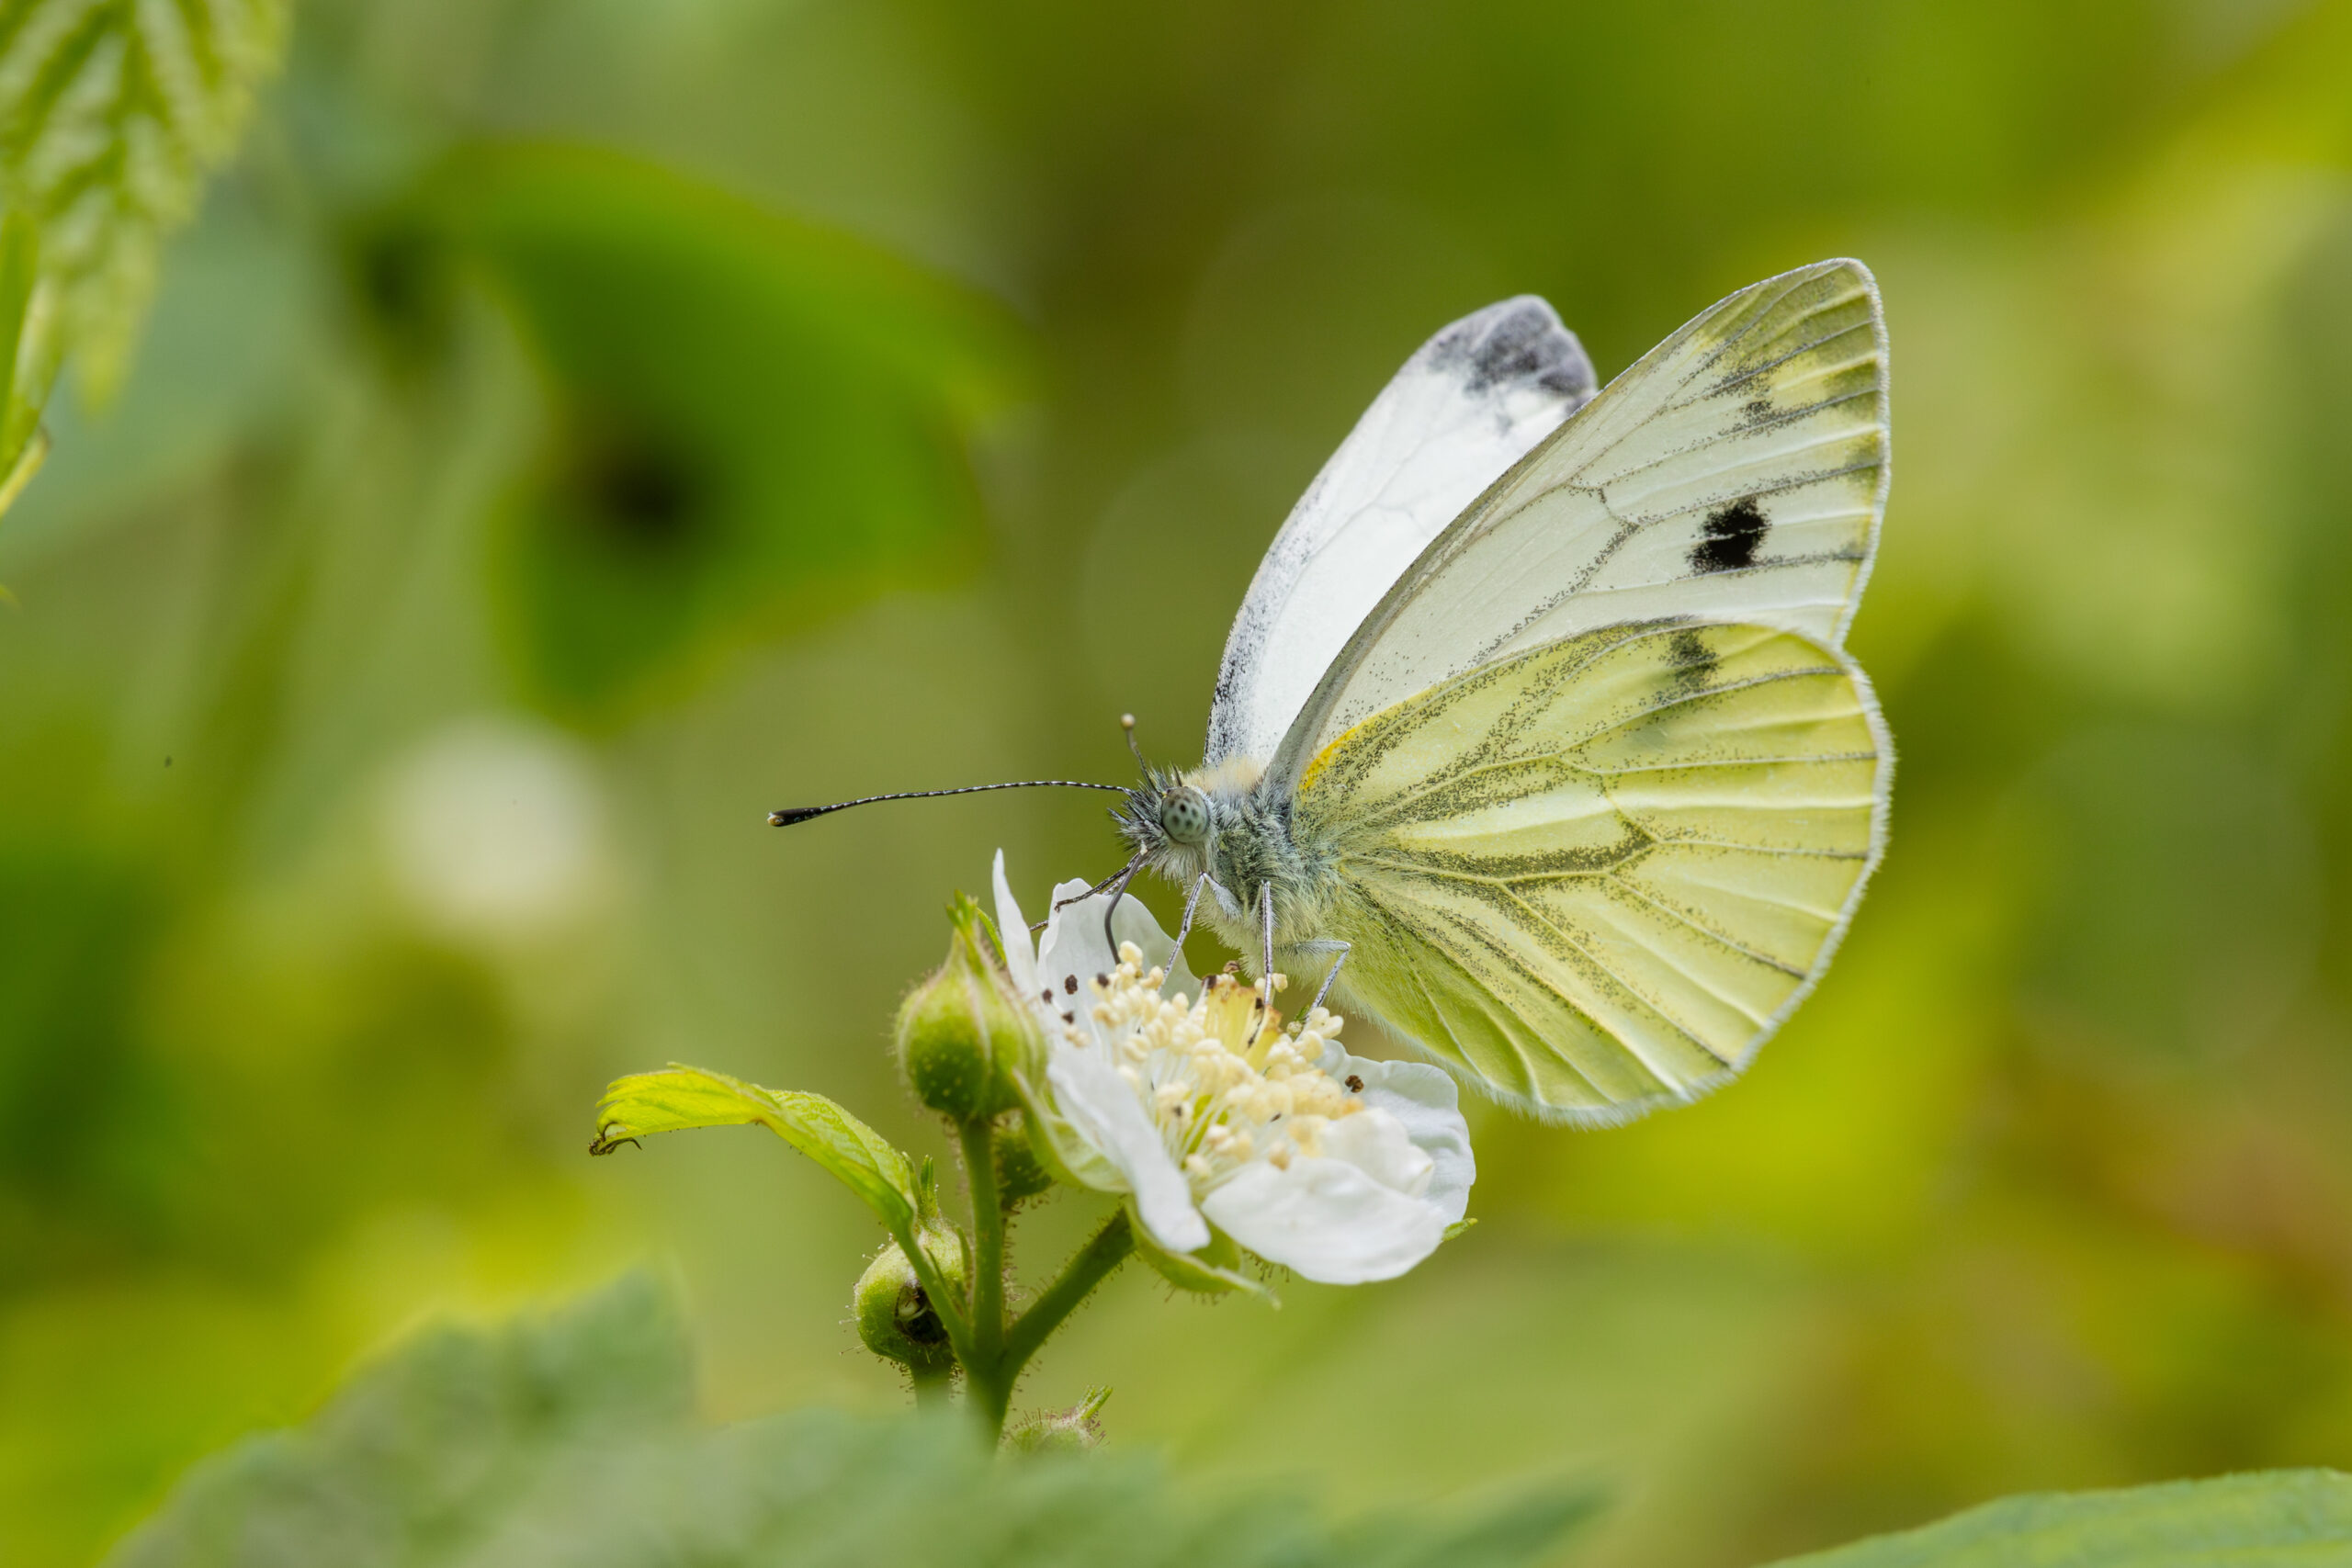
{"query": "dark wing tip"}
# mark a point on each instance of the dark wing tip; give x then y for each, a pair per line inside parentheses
(1518, 342)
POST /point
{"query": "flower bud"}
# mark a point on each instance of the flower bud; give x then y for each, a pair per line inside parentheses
(963, 1032)
(895, 1316)
(1071, 1432)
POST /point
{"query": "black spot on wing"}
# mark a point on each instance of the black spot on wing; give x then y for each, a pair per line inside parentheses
(1733, 535)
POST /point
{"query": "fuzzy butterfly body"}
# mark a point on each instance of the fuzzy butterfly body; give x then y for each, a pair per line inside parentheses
(1535, 732)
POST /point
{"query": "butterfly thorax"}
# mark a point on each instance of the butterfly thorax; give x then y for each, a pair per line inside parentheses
(1221, 822)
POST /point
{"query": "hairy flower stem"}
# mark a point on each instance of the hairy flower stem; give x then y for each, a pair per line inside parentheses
(1094, 1262)
(989, 1380)
(992, 1353)
(932, 1387)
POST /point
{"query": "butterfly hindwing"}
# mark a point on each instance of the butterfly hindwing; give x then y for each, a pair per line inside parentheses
(1737, 473)
(1596, 875)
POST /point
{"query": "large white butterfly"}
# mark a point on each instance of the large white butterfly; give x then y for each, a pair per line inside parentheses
(1535, 737)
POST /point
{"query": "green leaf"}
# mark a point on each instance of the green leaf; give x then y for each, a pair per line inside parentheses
(559, 1442)
(753, 424)
(23, 385)
(416, 1459)
(682, 1096)
(19, 273)
(1522, 1528)
(111, 113)
(2276, 1517)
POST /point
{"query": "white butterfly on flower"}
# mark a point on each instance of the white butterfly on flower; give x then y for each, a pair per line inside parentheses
(1188, 1100)
(1536, 736)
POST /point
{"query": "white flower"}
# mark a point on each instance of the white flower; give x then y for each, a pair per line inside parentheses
(1211, 1118)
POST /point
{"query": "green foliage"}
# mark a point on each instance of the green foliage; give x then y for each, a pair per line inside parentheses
(428, 1455)
(22, 388)
(566, 1439)
(680, 1097)
(752, 421)
(2282, 1520)
(111, 113)
(1522, 1528)
(563, 1441)
(2049, 1187)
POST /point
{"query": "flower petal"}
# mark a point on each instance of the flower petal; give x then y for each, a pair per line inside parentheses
(1429, 1102)
(1326, 1219)
(1074, 944)
(1375, 1142)
(1074, 929)
(1093, 1100)
(1103, 1107)
(1012, 930)
(1071, 954)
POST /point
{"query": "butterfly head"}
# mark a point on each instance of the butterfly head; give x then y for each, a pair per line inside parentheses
(1169, 820)
(1180, 822)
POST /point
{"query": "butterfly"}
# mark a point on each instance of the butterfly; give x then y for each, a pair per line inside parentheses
(1535, 738)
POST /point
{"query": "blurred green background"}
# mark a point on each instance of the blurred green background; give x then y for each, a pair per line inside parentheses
(570, 429)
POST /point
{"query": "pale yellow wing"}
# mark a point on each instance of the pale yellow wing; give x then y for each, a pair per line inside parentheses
(1737, 472)
(1595, 876)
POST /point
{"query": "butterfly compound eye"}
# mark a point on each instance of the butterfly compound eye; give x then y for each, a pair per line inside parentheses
(1184, 813)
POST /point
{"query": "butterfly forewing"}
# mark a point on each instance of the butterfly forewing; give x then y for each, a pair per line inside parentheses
(1737, 472)
(1595, 875)
(1470, 403)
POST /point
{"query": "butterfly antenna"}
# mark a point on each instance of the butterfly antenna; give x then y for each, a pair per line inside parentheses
(792, 816)
(1127, 723)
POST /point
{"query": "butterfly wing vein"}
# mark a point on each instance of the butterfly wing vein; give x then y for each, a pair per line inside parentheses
(1736, 473)
(1594, 875)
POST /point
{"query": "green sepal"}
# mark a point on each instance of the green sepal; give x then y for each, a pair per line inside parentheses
(1021, 1172)
(1214, 1270)
(680, 1096)
(1066, 1155)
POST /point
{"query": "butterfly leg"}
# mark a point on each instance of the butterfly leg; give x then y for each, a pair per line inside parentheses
(1118, 891)
(1185, 926)
(1343, 948)
(1266, 920)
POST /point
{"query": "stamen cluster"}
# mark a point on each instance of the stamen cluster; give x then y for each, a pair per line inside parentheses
(1220, 1078)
